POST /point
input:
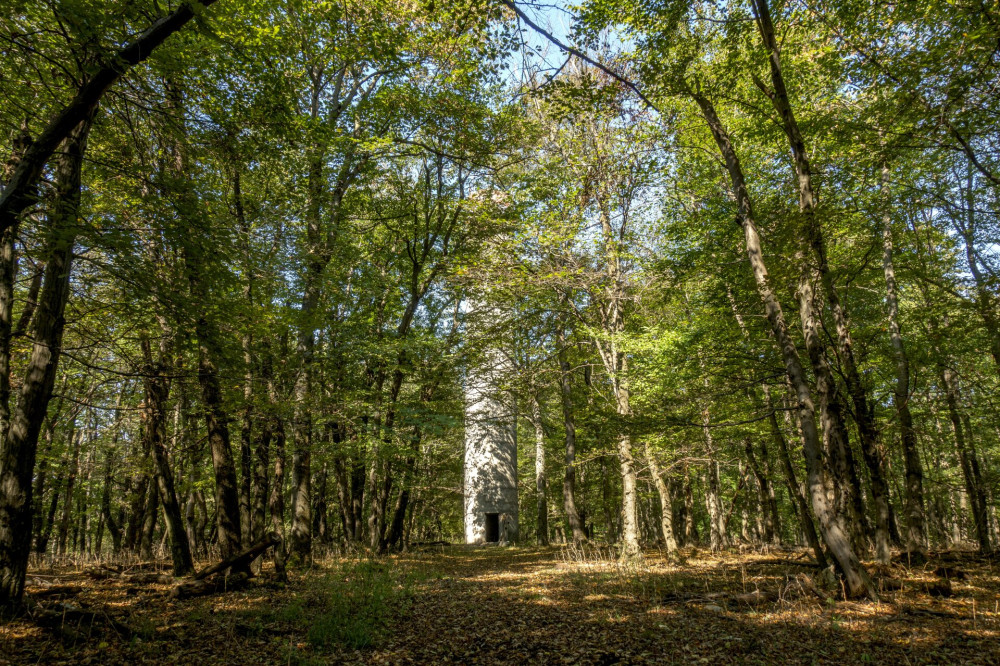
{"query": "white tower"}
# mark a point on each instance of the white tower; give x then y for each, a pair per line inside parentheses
(490, 479)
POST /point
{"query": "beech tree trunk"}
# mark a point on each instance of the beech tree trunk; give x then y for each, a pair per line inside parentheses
(569, 423)
(794, 487)
(857, 580)
(74, 438)
(157, 387)
(20, 442)
(666, 506)
(718, 539)
(541, 488)
(276, 502)
(967, 460)
(847, 489)
(916, 534)
(768, 505)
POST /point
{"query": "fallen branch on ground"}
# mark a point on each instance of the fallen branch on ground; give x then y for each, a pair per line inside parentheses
(216, 579)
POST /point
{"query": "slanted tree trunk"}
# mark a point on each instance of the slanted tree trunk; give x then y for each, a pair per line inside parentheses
(847, 489)
(857, 580)
(20, 189)
(794, 487)
(666, 505)
(19, 444)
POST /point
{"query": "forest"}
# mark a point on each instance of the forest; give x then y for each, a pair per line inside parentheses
(499, 331)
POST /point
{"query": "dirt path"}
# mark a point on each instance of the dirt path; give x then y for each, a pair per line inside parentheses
(513, 606)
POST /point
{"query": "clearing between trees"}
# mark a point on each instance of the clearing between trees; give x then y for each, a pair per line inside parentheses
(483, 605)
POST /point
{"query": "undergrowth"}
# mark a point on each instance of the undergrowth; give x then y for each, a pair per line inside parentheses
(359, 600)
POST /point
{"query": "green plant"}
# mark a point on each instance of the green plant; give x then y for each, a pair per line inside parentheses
(360, 605)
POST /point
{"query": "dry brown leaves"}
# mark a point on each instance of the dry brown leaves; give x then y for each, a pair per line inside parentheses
(545, 606)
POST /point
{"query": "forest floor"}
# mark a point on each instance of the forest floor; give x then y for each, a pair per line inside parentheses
(467, 605)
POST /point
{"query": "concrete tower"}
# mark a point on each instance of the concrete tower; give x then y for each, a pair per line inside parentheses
(490, 479)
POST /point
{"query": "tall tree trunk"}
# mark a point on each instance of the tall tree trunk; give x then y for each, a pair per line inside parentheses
(666, 505)
(276, 502)
(968, 462)
(19, 444)
(315, 263)
(541, 486)
(768, 505)
(74, 438)
(916, 535)
(113, 527)
(630, 522)
(718, 539)
(156, 383)
(151, 513)
(858, 581)
(261, 462)
(41, 476)
(246, 449)
(216, 422)
(195, 250)
(794, 487)
(396, 536)
(569, 423)
(847, 489)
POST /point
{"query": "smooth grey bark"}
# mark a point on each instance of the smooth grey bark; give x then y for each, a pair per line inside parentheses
(916, 534)
(794, 487)
(718, 539)
(569, 424)
(666, 505)
(769, 507)
(968, 461)
(616, 365)
(848, 489)
(858, 582)
(541, 487)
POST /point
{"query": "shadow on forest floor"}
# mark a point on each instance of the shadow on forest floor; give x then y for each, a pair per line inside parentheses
(530, 605)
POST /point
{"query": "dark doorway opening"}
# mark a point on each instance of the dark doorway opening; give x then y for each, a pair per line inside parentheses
(492, 527)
